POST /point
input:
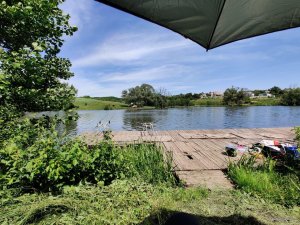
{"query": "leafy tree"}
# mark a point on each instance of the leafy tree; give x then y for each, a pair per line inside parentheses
(277, 91)
(140, 95)
(258, 92)
(235, 96)
(161, 98)
(31, 35)
(291, 97)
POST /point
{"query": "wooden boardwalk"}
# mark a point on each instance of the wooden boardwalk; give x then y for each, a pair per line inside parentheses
(198, 155)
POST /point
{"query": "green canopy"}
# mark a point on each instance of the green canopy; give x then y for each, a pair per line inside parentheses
(212, 23)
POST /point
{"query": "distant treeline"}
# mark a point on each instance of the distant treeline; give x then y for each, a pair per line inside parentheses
(238, 96)
(146, 95)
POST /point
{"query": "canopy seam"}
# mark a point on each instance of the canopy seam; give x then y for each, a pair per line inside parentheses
(216, 25)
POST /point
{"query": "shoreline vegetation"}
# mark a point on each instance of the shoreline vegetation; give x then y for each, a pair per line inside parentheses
(146, 97)
(96, 103)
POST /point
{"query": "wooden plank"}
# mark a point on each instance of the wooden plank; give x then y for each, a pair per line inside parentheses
(189, 151)
(184, 163)
(203, 160)
(177, 158)
(188, 163)
(205, 147)
(214, 161)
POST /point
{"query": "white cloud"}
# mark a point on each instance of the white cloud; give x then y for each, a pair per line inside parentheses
(130, 48)
(148, 48)
(146, 74)
(94, 88)
(80, 11)
(114, 83)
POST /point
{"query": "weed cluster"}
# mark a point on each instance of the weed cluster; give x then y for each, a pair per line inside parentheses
(37, 158)
(266, 181)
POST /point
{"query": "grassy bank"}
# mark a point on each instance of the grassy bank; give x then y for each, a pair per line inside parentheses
(96, 104)
(254, 102)
(208, 102)
(104, 104)
(265, 101)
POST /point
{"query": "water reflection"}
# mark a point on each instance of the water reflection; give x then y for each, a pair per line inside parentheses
(134, 120)
(188, 118)
(68, 127)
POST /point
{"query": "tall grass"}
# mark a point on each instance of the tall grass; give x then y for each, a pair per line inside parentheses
(264, 181)
(148, 162)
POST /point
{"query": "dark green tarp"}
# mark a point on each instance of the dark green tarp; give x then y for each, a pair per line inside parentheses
(212, 23)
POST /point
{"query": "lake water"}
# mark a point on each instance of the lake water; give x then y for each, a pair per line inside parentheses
(192, 118)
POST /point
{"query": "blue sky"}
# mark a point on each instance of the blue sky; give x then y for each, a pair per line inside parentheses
(113, 51)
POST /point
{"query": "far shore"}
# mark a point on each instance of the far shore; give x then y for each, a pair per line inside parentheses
(83, 103)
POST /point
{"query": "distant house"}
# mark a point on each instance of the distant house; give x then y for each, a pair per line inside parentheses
(203, 95)
(249, 93)
(216, 94)
(266, 94)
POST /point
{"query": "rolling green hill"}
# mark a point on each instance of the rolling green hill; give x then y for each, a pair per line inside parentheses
(95, 104)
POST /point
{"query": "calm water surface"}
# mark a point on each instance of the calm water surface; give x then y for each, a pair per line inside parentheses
(190, 118)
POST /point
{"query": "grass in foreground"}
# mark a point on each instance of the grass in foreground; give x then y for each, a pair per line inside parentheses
(95, 104)
(135, 202)
(264, 181)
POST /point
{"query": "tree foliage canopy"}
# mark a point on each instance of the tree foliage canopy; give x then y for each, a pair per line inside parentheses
(291, 97)
(146, 95)
(31, 35)
(235, 96)
(277, 91)
(143, 95)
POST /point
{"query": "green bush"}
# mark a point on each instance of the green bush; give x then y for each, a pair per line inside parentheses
(291, 97)
(51, 162)
(37, 158)
(235, 96)
(108, 107)
(264, 181)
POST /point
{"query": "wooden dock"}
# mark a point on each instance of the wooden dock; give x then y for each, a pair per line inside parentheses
(198, 155)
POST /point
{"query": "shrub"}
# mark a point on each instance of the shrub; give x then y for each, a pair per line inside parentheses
(108, 107)
(37, 158)
(291, 97)
(235, 96)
